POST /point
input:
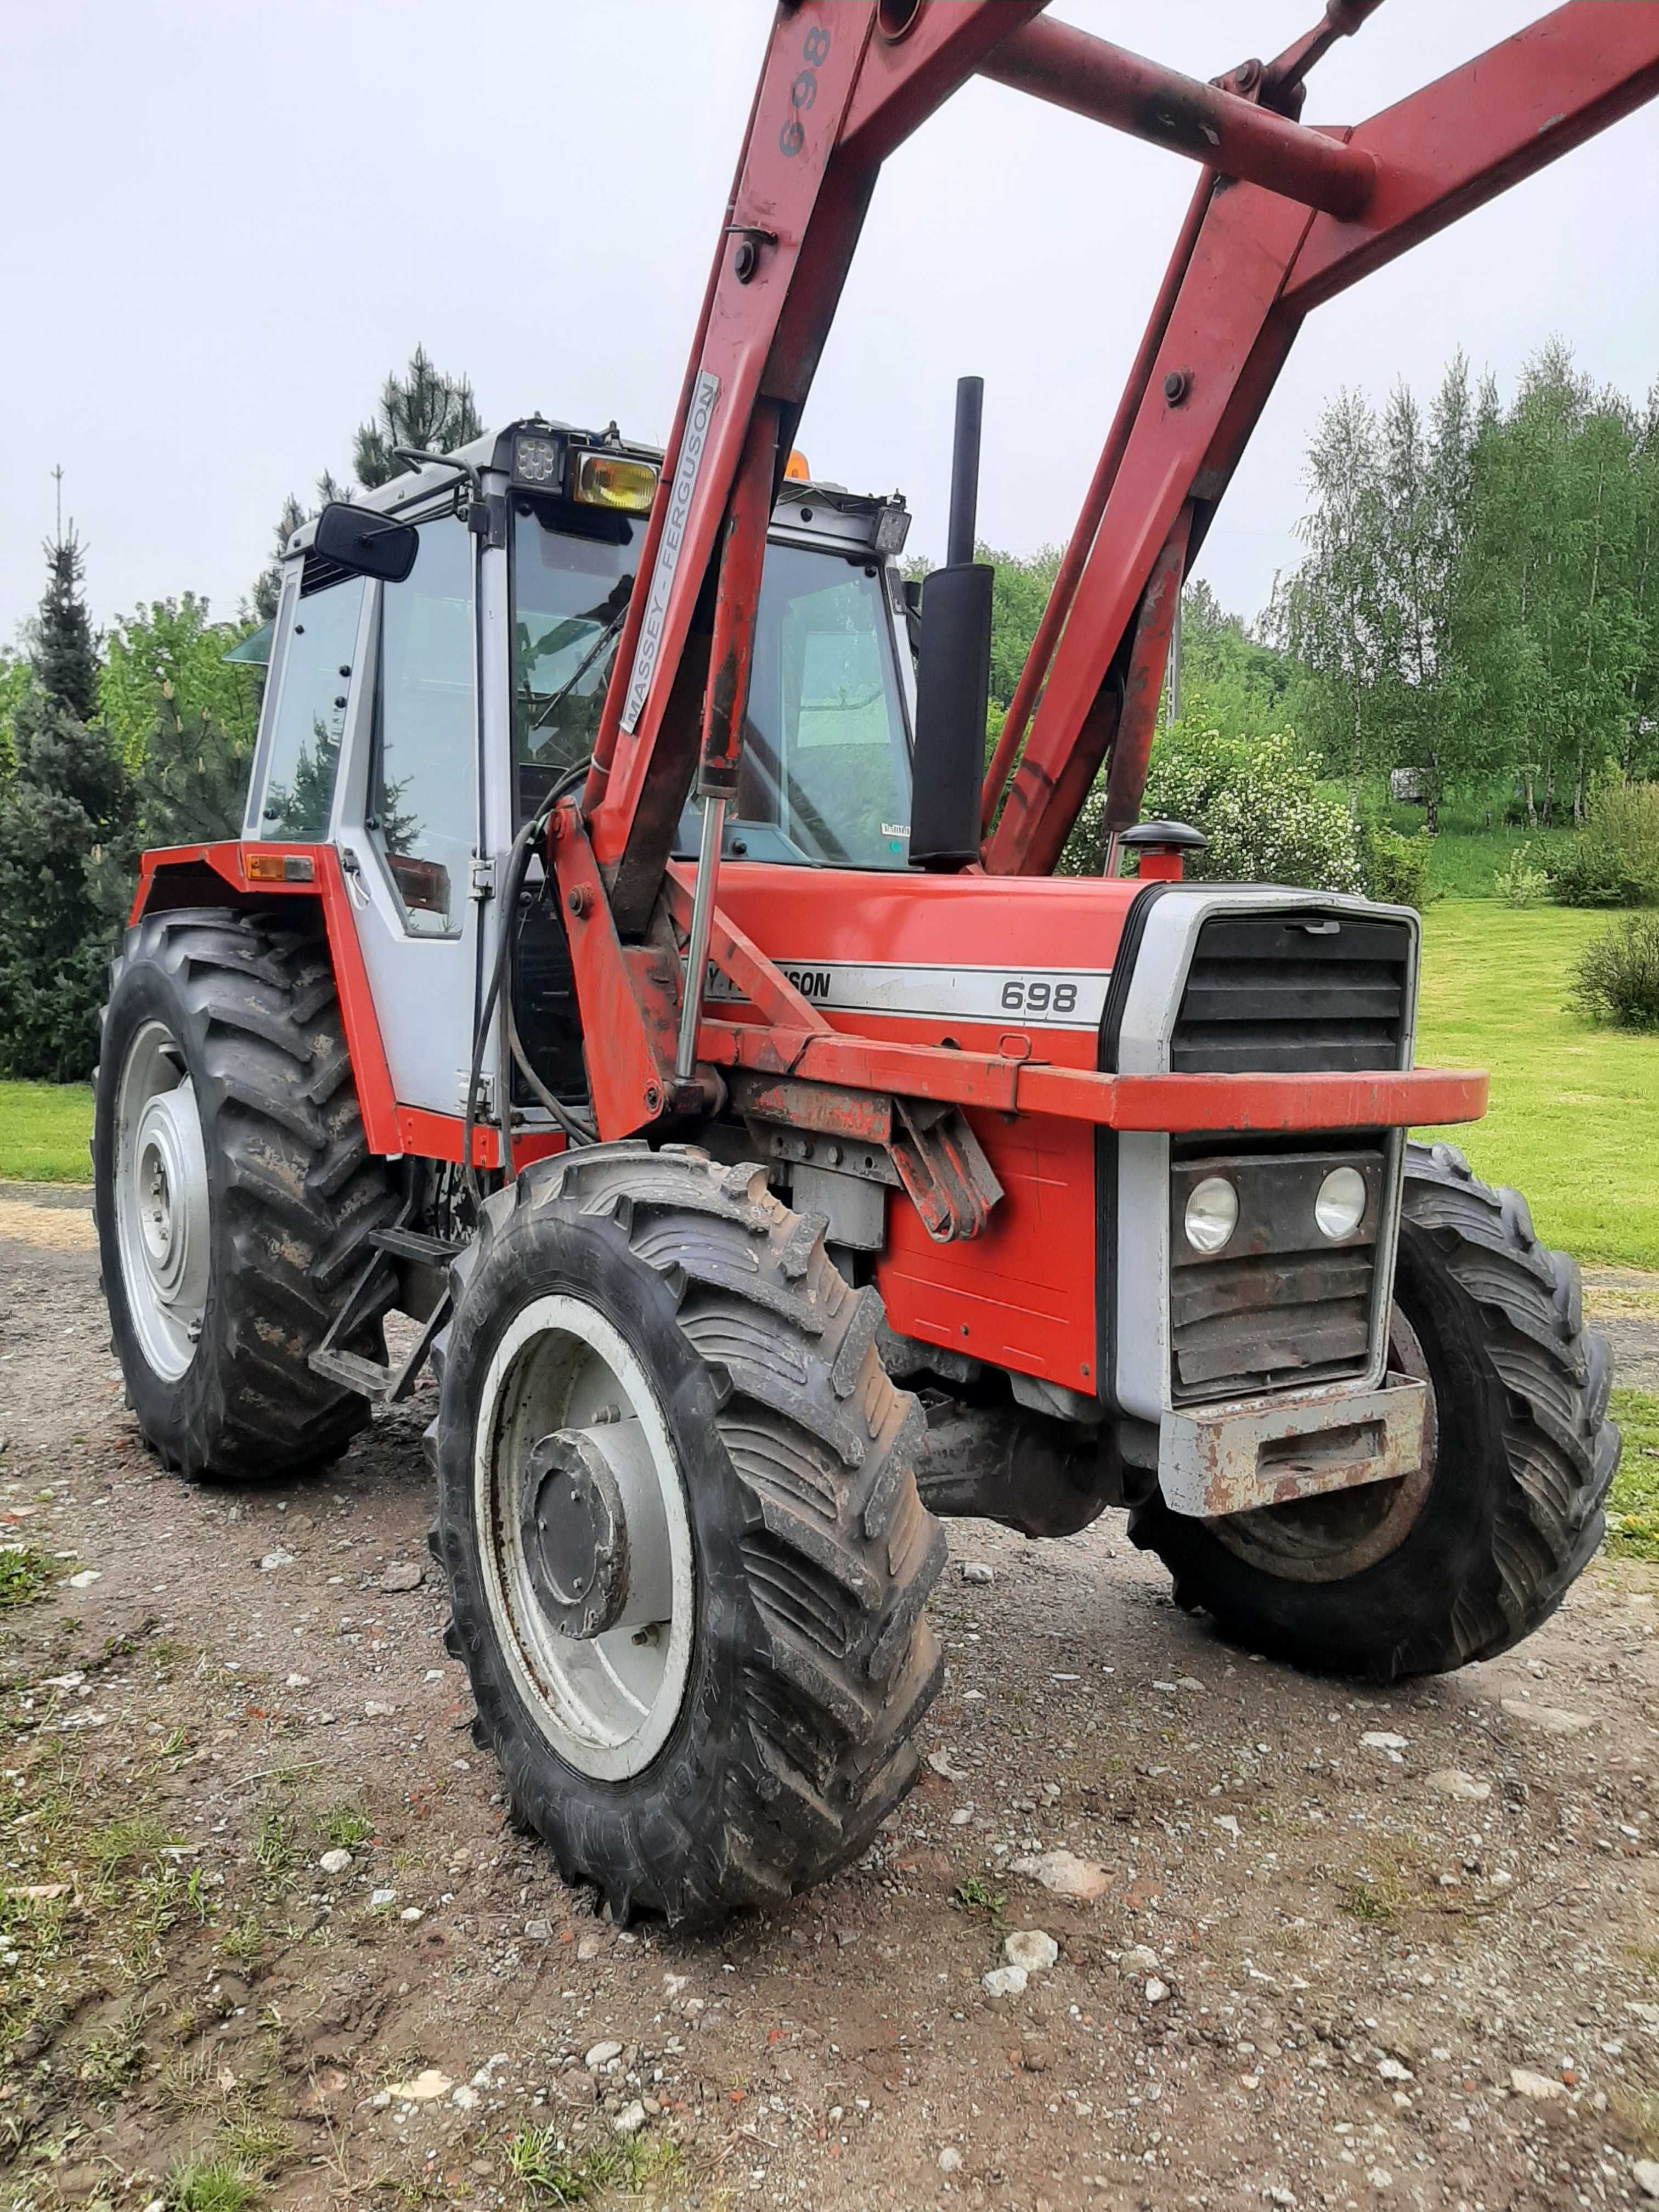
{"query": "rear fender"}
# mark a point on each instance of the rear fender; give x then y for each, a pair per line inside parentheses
(217, 875)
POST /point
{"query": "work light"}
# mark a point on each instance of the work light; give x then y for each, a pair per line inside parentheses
(539, 460)
(609, 480)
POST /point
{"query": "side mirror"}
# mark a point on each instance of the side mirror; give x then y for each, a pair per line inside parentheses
(365, 543)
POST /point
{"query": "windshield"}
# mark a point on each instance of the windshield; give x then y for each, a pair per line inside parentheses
(826, 765)
(826, 758)
(573, 570)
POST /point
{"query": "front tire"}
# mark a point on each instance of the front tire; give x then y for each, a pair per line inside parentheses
(1462, 1564)
(724, 1719)
(232, 1188)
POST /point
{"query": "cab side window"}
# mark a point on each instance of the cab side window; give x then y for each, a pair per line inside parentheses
(311, 712)
(423, 777)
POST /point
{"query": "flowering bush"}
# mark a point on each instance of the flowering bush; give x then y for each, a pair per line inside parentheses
(1257, 800)
(1520, 882)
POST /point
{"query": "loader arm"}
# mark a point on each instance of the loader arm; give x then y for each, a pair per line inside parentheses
(1284, 218)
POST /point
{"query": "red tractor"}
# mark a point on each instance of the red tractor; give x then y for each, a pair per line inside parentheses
(627, 973)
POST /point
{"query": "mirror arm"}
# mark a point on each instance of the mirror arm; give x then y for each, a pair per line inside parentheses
(417, 459)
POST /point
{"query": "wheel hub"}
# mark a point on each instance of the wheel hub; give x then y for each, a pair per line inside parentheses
(588, 1556)
(162, 1205)
(575, 1532)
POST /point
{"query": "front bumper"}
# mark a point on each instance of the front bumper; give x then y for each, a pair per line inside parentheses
(1234, 1457)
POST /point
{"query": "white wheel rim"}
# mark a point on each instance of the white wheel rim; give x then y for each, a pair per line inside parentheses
(162, 1215)
(605, 1704)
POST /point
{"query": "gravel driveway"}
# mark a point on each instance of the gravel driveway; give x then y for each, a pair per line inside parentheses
(1329, 1947)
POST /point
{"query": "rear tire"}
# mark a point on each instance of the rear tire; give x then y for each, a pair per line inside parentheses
(776, 1733)
(258, 1186)
(1512, 1511)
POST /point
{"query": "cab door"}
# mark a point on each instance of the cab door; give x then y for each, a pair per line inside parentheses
(410, 824)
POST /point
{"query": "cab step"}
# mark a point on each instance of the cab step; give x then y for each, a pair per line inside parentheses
(384, 1385)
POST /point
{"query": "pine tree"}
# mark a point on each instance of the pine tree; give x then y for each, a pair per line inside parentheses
(64, 649)
(192, 783)
(424, 407)
(268, 584)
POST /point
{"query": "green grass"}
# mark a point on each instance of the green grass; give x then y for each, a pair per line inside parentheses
(549, 2172)
(1633, 1507)
(1574, 1117)
(1463, 867)
(216, 2184)
(44, 1129)
(25, 1574)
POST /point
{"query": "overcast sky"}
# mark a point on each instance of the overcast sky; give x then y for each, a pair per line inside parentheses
(224, 221)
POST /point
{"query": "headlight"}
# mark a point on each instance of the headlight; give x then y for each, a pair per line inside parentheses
(1211, 1214)
(1341, 1205)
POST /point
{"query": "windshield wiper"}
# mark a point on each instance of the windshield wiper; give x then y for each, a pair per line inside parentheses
(607, 636)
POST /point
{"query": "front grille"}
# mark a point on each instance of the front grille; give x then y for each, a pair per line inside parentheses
(1279, 1307)
(1294, 993)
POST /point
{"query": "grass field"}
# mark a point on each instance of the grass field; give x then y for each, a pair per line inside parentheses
(1574, 1119)
(44, 1128)
(1634, 1503)
(1463, 867)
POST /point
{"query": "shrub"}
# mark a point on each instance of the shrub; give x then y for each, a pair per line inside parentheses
(1597, 875)
(1520, 882)
(1396, 868)
(1626, 816)
(1617, 976)
(1615, 860)
(1256, 799)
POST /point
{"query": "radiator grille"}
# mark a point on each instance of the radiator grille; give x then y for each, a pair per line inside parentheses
(1274, 1321)
(1289, 993)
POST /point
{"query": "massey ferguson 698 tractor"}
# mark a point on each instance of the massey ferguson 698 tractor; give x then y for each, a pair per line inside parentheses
(629, 972)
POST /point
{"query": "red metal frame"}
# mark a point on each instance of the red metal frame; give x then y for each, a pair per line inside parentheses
(1305, 213)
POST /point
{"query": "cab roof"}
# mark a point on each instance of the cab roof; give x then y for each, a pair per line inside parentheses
(819, 509)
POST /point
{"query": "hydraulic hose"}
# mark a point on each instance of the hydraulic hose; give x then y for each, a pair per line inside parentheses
(518, 862)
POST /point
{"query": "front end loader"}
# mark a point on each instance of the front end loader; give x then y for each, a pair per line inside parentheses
(628, 976)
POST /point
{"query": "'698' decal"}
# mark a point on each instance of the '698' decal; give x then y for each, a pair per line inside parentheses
(804, 92)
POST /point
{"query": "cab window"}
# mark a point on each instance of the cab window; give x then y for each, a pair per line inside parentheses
(311, 712)
(826, 764)
(421, 809)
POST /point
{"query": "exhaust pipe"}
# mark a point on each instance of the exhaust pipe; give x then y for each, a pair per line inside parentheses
(953, 668)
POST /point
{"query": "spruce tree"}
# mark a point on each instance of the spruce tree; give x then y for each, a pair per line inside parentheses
(66, 844)
(65, 650)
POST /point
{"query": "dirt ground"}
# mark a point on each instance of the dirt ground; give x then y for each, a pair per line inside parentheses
(1349, 1948)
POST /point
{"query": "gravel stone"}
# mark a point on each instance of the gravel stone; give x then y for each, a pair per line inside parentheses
(1031, 1949)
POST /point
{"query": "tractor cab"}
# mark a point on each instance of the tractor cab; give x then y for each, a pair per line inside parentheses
(440, 659)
